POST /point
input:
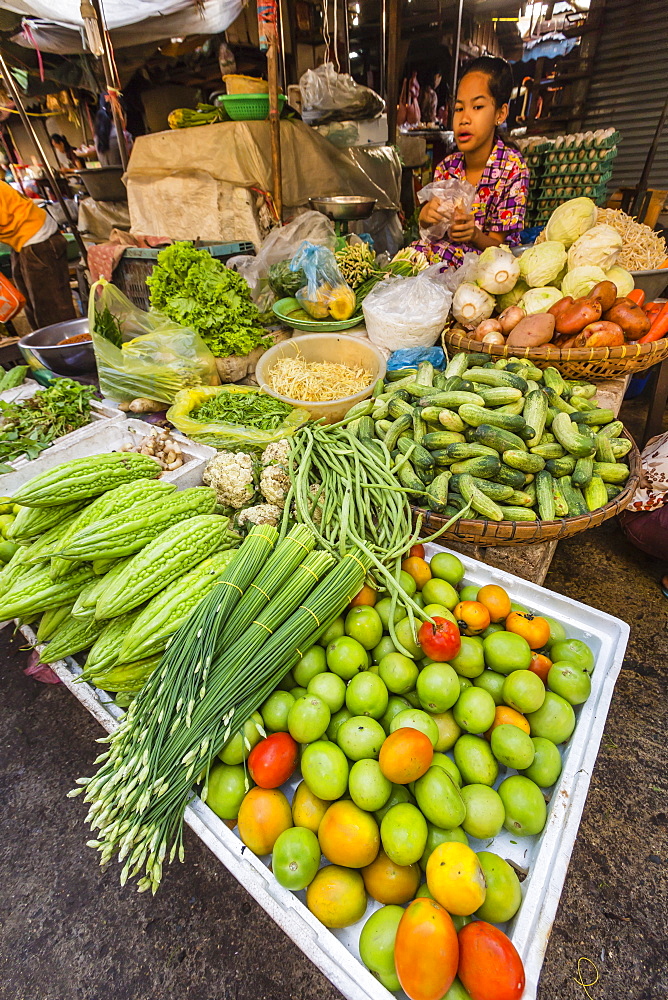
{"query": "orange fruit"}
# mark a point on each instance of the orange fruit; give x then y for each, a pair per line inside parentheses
(348, 835)
(336, 896)
(496, 600)
(533, 628)
(263, 815)
(540, 664)
(455, 878)
(472, 617)
(418, 568)
(391, 883)
(307, 808)
(504, 716)
(366, 597)
(405, 755)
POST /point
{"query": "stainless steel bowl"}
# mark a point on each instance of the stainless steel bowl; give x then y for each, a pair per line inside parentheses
(653, 282)
(104, 183)
(42, 350)
(344, 207)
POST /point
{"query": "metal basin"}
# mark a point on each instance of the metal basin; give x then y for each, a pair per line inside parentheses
(653, 283)
(104, 183)
(344, 207)
(42, 350)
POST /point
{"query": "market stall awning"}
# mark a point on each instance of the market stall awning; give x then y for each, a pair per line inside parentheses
(130, 22)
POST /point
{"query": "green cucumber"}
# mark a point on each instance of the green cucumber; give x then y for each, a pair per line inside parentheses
(535, 413)
(510, 477)
(620, 448)
(521, 498)
(553, 380)
(399, 407)
(518, 513)
(498, 438)
(616, 474)
(497, 378)
(500, 396)
(419, 426)
(612, 430)
(401, 424)
(523, 460)
(551, 449)
(497, 491)
(593, 417)
(457, 365)
(479, 501)
(485, 467)
(557, 403)
(437, 493)
(545, 495)
(595, 493)
(459, 452)
(559, 467)
(425, 373)
(560, 505)
(583, 471)
(573, 497)
(582, 404)
(477, 415)
(452, 400)
(567, 434)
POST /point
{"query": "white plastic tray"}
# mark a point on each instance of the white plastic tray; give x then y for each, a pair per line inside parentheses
(546, 857)
(101, 437)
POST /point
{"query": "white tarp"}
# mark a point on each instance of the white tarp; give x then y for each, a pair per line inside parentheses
(130, 22)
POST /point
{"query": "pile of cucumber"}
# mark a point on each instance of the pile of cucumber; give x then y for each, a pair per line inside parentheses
(514, 442)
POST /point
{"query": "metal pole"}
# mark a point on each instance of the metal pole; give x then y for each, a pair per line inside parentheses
(112, 81)
(394, 18)
(346, 33)
(651, 153)
(284, 69)
(455, 71)
(34, 138)
(383, 49)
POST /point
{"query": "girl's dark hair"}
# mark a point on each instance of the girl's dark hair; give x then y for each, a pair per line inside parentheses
(500, 82)
(499, 74)
(103, 123)
(57, 137)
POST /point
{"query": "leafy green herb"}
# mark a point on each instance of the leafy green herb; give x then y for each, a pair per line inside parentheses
(198, 291)
(13, 377)
(248, 409)
(108, 326)
(30, 425)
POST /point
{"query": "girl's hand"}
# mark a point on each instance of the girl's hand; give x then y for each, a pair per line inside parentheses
(431, 213)
(463, 229)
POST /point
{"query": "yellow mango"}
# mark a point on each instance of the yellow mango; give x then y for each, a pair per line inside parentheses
(341, 302)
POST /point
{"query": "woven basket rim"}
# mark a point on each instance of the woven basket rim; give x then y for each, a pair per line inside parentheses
(627, 352)
(533, 530)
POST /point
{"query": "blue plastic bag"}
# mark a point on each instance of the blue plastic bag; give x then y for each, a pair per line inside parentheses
(411, 358)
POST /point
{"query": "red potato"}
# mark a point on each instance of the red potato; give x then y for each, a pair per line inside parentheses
(487, 326)
(532, 331)
(577, 315)
(604, 292)
(633, 320)
(600, 334)
(510, 317)
(563, 342)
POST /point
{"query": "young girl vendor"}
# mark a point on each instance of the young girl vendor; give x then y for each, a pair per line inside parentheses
(496, 170)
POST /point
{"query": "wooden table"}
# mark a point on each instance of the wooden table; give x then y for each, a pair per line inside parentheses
(532, 562)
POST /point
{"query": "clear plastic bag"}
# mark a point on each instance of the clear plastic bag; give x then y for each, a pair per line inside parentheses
(224, 436)
(148, 354)
(325, 293)
(407, 312)
(331, 96)
(453, 195)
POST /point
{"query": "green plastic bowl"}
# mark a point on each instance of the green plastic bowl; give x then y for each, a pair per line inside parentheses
(249, 107)
(284, 309)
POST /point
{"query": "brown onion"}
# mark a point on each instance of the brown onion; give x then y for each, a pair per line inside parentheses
(493, 337)
(510, 317)
(487, 326)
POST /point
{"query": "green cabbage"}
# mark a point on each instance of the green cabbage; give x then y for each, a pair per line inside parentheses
(540, 264)
(622, 279)
(570, 220)
(539, 300)
(512, 297)
(497, 270)
(581, 280)
(600, 245)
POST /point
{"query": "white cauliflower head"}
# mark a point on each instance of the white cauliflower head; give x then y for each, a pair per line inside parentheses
(274, 484)
(277, 451)
(230, 474)
(261, 513)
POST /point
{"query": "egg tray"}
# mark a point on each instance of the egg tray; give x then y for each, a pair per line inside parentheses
(581, 154)
(583, 171)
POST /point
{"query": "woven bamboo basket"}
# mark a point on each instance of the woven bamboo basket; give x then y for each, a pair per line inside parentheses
(594, 363)
(492, 533)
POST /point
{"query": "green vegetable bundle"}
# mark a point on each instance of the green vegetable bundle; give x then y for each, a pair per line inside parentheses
(30, 425)
(197, 291)
(205, 114)
(283, 281)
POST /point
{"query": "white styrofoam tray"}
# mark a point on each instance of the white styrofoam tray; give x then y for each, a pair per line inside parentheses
(102, 437)
(546, 857)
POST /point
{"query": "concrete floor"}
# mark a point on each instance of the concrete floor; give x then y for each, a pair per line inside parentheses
(68, 931)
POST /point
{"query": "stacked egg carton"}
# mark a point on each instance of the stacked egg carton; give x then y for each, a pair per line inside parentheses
(575, 166)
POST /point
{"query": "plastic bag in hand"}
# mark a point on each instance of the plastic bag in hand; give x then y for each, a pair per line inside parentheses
(407, 312)
(331, 96)
(453, 195)
(325, 293)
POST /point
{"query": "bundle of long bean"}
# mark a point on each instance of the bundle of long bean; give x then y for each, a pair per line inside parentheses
(346, 491)
(200, 697)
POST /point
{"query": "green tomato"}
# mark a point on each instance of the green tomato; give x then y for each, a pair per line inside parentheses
(287, 682)
(330, 688)
(384, 647)
(398, 794)
(469, 593)
(524, 691)
(514, 606)
(367, 695)
(398, 672)
(491, 629)
(484, 811)
(298, 692)
(369, 788)
(448, 765)
(437, 836)
(447, 566)
(554, 720)
(228, 784)
(448, 730)
(436, 591)
(346, 657)
(413, 718)
(546, 766)
(437, 687)
(314, 661)
(274, 711)
(575, 651)
(439, 611)
(474, 711)
(557, 631)
(394, 706)
(295, 858)
(377, 941)
(337, 720)
(413, 699)
(407, 638)
(569, 681)
(506, 651)
(364, 624)
(470, 660)
(513, 747)
(334, 631)
(308, 719)
(492, 682)
(242, 743)
(383, 608)
(325, 770)
(464, 683)
(418, 599)
(407, 583)
(360, 737)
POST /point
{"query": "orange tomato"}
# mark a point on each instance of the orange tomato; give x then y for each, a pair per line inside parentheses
(533, 628)
(405, 755)
(367, 597)
(390, 883)
(540, 664)
(426, 952)
(336, 896)
(455, 878)
(348, 835)
(418, 568)
(307, 808)
(472, 617)
(496, 600)
(489, 966)
(416, 550)
(504, 716)
(263, 815)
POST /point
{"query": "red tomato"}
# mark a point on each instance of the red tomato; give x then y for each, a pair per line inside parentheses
(273, 760)
(489, 966)
(426, 950)
(440, 641)
(416, 550)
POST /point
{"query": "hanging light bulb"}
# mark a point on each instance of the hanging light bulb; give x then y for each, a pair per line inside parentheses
(91, 27)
